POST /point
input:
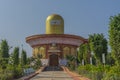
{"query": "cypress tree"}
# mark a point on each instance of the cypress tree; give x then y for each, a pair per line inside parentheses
(16, 56)
(4, 49)
(23, 57)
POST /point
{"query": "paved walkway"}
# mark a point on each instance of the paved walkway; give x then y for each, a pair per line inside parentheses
(52, 75)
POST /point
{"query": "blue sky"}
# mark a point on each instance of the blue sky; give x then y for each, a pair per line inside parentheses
(22, 18)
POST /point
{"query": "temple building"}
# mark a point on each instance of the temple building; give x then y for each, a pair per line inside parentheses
(54, 45)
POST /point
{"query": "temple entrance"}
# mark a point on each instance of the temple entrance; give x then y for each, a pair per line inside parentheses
(53, 60)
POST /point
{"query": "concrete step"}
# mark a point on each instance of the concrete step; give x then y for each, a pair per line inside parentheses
(53, 68)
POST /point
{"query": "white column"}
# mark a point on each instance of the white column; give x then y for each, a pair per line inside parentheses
(103, 58)
(91, 60)
(82, 61)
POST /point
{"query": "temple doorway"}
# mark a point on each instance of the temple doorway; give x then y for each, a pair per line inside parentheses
(53, 60)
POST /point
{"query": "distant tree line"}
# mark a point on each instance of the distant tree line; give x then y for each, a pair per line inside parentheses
(13, 64)
(11, 61)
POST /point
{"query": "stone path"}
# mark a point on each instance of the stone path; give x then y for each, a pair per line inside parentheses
(52, 75)
(44, 73)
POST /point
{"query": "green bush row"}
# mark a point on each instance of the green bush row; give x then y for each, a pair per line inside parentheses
(100, 72)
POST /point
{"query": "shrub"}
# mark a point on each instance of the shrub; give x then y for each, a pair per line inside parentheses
(100, 72)
(18, 72)
(6, 75)
(91, 71)
(112, 74)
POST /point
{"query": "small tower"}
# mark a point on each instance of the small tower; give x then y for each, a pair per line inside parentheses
(54, 24)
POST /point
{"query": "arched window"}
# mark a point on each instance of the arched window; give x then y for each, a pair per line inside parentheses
(41, 51)
(35, 51)
(66, 51)
(73, 51)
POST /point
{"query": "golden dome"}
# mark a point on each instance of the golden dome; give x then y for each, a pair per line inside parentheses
(54, 24)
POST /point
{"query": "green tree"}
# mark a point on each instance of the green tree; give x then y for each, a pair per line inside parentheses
(98, 45)
(84, 53)
(4, 49)
(39, 56)
(81, 52)
(109, 59)
(114, 37)
(37, 63)
(23, 57)
(16, 56)
(71, 61)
